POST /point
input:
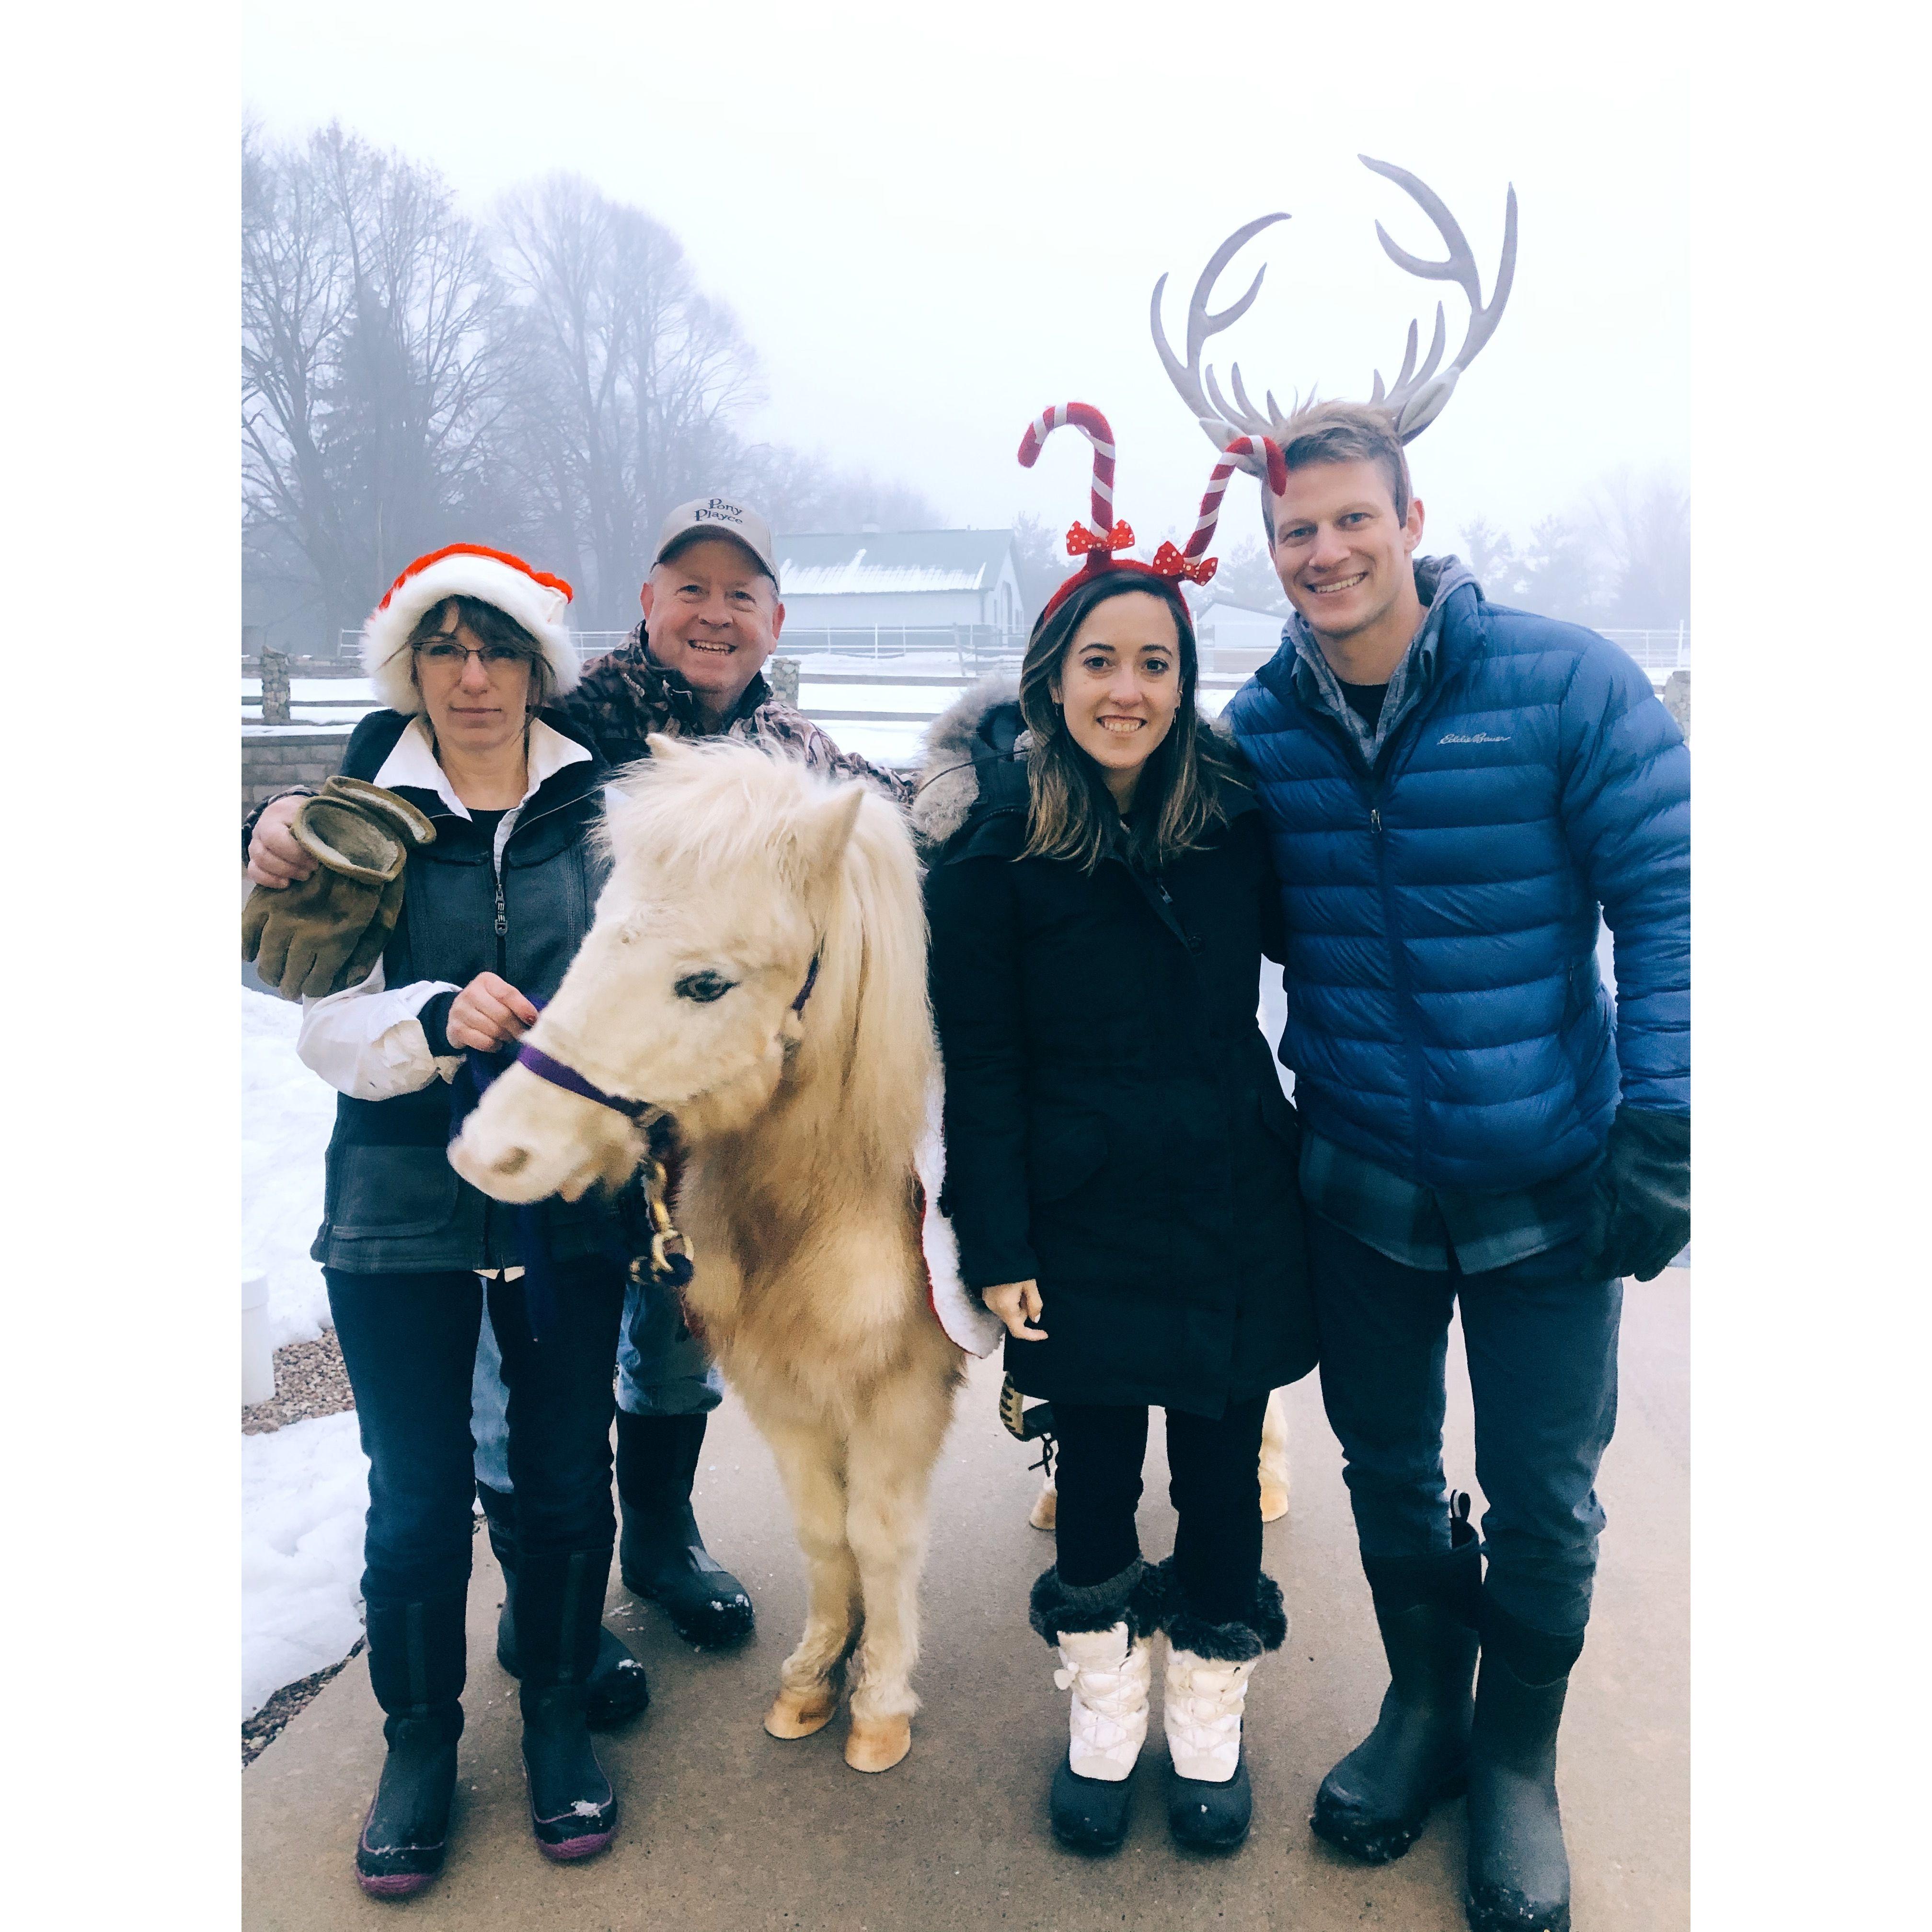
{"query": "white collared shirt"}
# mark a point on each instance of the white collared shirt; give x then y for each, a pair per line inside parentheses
(367, 1041)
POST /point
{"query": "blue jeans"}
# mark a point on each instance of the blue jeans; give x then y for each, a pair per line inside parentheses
(1541, 1339)
(662, 1370)
(408, 1342)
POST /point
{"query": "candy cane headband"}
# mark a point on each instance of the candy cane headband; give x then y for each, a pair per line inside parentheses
(1099, 541)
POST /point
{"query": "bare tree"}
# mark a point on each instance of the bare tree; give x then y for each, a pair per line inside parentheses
(1643, 529)
(1560, 576)
(631, 378)
(371, 383)
(557, 382)
(802, 492)
(1247, 577)
(1491, 555)
(1040, 561)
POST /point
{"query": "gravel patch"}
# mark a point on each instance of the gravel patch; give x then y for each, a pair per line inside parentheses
(261, 1730)
(310, 1380)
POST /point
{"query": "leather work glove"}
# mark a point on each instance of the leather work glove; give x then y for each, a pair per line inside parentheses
(1640, 1215)
(326, 932)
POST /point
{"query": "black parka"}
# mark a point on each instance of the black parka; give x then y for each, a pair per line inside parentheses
(392, 1203)
(1114, 1126)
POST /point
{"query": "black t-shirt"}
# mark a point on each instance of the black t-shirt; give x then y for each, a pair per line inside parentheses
(1365, 700)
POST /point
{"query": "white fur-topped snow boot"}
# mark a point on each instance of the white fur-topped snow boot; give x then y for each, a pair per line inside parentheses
(1109, 1672)
(1209, 1800)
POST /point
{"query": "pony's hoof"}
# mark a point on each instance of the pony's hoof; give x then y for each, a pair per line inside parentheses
(1045, 1510)
(797, 1714)
(1274, 1502)
(877, 1744)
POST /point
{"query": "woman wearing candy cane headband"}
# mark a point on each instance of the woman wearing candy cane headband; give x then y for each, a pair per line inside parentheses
(1120, 1158)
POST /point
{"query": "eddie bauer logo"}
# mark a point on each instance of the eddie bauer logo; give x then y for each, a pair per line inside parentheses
(1472, 738)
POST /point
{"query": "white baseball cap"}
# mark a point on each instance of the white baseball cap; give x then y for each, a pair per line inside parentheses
(720, 517)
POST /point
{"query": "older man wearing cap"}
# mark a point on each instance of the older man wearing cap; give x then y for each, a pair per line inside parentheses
(692, 668)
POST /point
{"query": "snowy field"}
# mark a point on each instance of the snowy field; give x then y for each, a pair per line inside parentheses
(305, 1493)
(895, 742)
(304, 1488)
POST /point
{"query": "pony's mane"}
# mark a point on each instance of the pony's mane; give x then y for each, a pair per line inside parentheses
(721, 804)
(722, 808)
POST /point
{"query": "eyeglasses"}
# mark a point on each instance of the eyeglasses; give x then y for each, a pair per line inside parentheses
(445, 654)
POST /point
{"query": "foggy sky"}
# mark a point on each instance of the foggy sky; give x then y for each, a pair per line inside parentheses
(932, 225)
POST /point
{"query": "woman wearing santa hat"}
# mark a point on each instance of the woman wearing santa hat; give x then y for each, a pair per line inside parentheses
(466, 650)
(1119, 1160)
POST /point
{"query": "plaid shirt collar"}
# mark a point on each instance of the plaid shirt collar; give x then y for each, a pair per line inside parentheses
(661, 685)
(1317, 687)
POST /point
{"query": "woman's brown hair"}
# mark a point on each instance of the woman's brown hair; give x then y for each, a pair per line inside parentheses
(1181, 796)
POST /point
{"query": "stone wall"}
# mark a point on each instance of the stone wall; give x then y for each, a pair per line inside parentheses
(271, 761)
(1677, 699)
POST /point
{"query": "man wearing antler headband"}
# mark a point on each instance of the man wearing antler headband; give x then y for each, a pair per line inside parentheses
(1455, 792)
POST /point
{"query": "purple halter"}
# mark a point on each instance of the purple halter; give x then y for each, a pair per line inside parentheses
(540, 1063)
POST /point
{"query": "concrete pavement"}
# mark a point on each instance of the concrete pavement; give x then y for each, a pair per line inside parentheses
(726, 1830)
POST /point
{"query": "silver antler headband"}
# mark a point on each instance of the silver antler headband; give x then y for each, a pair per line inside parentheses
(1418, 395)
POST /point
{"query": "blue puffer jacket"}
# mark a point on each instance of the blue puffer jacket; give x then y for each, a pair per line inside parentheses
(1446, 1018)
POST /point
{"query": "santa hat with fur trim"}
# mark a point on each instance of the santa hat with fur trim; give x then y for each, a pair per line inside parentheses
(534, 598)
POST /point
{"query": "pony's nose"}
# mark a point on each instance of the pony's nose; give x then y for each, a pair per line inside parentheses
(512, 1160)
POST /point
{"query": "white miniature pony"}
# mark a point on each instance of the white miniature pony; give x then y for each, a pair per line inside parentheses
(757, 970)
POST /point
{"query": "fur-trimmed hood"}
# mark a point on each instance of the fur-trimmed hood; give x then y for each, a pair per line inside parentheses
(981, 724)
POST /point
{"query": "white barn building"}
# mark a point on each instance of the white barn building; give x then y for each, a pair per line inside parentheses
(904, 588)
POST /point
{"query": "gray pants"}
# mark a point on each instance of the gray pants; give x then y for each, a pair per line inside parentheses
(662, 1370)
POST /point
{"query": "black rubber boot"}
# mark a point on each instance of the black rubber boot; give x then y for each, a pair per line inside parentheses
(662, 1555)
(573, 1810)
(1090, 1814)
(1213, 1814)
(416, 1660)
(1519, 1873)
(617, 1689)
(1374, 1804)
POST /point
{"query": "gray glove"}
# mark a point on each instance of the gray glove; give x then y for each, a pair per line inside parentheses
(326, 932)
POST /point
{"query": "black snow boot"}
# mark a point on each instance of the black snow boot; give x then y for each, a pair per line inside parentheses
(416, 1659)
(559, 1600)
(1104, 1633)
(1374, 1804)
(1210, 1802)
(662, 1556)
(1519, 1873)
(617, 1690)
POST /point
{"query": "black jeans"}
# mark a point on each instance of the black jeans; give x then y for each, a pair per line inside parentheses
(1541, 1339)
(1214, 1484)
(408, 1342)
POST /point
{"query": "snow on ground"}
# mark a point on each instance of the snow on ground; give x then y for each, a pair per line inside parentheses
(305, 1493)
(309, 714)
(286, 1114)
(304, 1488)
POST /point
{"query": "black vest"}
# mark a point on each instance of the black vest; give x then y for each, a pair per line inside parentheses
(392, 1202)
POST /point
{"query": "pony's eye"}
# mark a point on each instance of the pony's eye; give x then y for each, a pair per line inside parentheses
(704, 987)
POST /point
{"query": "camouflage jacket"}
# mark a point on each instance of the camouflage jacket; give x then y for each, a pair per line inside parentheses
(625, 697)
